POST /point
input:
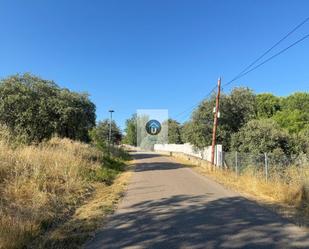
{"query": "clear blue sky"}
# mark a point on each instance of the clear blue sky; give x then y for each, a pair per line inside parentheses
(132, 55)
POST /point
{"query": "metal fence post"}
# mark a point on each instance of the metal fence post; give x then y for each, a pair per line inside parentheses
(266, 167)
(236, 163)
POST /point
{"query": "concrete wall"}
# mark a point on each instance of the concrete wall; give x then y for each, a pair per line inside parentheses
(188, 149)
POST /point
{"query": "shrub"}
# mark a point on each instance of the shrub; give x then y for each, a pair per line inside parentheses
(261, 136)
(34, 109)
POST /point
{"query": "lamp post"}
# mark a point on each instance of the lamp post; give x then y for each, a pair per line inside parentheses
(110, 129)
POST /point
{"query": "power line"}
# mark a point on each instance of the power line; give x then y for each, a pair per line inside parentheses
(270, 58)
(195, 105)
(246, 70)
(182, 119)
(239, 75)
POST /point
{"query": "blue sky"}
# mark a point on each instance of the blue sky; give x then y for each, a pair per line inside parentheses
(133, 54)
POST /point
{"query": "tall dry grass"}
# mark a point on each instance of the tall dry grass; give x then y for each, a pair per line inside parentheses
(288, 187)
(40, 185)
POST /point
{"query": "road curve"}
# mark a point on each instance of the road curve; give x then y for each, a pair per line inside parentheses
(169, 206)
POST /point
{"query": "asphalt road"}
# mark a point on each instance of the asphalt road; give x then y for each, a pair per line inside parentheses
(168, 206)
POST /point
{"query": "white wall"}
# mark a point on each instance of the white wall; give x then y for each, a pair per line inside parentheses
(190, 150)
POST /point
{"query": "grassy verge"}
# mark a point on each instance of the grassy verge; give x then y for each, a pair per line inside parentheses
(42, 186)
(287, 195)
(87, 218)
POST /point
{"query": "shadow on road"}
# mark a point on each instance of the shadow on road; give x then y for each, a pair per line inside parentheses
(191, 222)
(156, 166)
(142, 164)
(138, 156)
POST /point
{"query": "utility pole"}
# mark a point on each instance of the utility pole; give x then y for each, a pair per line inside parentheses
(214, 131)
(110, 130)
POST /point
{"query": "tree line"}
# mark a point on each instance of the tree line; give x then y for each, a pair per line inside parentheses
(249, 122)
(34, 109)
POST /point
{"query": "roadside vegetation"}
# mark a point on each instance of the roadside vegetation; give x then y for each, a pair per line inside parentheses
(248, 123)
(52, 164)
(254, 124)
(283, 123)
(286, 192)
(41, 185)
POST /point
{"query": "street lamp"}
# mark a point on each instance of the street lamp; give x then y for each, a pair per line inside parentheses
(110, 127)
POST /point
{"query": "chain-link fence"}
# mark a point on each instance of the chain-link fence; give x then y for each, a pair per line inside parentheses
(269, 166)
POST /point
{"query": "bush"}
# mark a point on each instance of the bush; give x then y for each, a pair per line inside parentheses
(301, 141)
(261, 136)
(35, 109)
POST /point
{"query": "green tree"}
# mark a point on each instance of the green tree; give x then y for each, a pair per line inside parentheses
(294, 114)
(35, 109)
(261, 136)
(236, 109)
(267, 105)
(25, 106)
(174, 132)
(130, 130)
(100, 133)
(76, 115)
(297, 101)
(292, 120)
(186, 132)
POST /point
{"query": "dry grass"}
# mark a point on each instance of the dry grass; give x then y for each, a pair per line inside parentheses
(87, 218)
(286, 193)
(42, 185)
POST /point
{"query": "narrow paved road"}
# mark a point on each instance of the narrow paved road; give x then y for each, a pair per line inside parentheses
(168, 206)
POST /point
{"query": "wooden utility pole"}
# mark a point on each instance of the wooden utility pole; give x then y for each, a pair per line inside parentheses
(214, 131)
